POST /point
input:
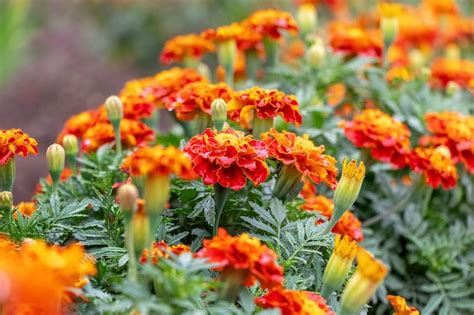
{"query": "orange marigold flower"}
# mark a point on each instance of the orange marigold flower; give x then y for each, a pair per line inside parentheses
(416, 28)
(293, 302)
(158, 161)
(162, 250)
(78, 124)
(133, 108)
(38, 276)
(265, 104)
(436, 165)
(400, 306)
(132, 132)
(466, 154)
(399, 73)
(271, 22)
(197, 97)
(350, 39)
(25, 208)
(387, 138)
(444, 71)
(348, 224)
(441, 7)
(228, 158)
(301, 152)
(16, 142)
(244, 256)
(224, 33)
(336, 93)
(181, 47)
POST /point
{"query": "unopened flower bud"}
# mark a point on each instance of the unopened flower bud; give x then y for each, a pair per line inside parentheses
(425, 73)
(55, 156)
(452, 52)
(316, 54)
(203, 69)
(71, 145)
(114, 109)
(219, 113)
(389, 26)
(417, 59)
(127, 196)
(140, 231)
(452, 88)
(307, 18)
(6, 201)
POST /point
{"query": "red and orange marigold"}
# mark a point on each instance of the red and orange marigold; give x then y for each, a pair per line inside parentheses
(445, 70)
(197, 97)
(309, 160)
(400, 307)
(243, 257)
(386, 138)
(158, 161)
(133, 108)
(264, 104)
(293, 302)
(26, 209)
(270, 23)
(78, 124)
(351, 39)
(162, 250)
(16, 142)
(181, 47)
(228, 158)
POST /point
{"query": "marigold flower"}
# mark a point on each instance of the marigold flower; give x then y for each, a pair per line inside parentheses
(417, 28)
(387, 138)
(264, 104)
(350, 39)
(293, 302)
(133, 133)
(134, 108)
(301, 153)
(244, 37)
(440, 7)
(436, 165)
(398, 73)
(16, 142)
(162, 250)
(228, 158)
(271, 22)
(25, 208)
(179, 48)
(78, 124)
(244, 256)
(444, 71)
(400, 306)
(197, 98)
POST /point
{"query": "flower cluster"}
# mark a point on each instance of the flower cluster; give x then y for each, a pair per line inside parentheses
(271, 22)
(162, 250)
(15, 142)
(351, 39)
(243, 257)
(291, 302)
(400, 306)
(179, 48)
(387, 139)
(459, 71)
(228, 158)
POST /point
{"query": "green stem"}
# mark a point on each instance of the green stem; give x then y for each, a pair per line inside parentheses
(260, 126)
(326, 291)
(71, 162)
(252, 64)
(288, 178)
(271, 48)
(55, 178)
(118, 139)
(7, 175)
(220, 197)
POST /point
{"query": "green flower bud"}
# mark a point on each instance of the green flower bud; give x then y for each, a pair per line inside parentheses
(55, 156)
(219, 113)
(71, 145)
(114, 109)
(307, 18)
(127, 196)
(389, 26)
(316, 54)
(6, 201)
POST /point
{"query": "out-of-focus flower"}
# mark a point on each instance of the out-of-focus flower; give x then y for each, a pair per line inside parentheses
(386, 138)
(182, 47)
(417, 28)
(436, 165)
(132, 132)
(162, 250)
(228, 158)
(444, 71)
(351, 39)
(293, 302)
(301, 153)
(440, 7)
(264, 104)
(270, 23)
(335, 94)
(197, 97)
(400, 307)
(78, 124)
(16, 142)
(26, 209)
(398, 73)
(244, 259)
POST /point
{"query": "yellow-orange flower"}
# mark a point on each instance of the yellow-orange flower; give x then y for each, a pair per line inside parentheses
(293, 302)
(398, 73)
(25, 208)
(351, 39)
(132, 132)
(440, 7)
(158, 161)
(181, 47)
(264, 104)
(78, 124)
(16, 142)
(417, 28)
(436, 165)
(243, 256)
(301, 153)
(197, 97)
(270, 23)
(134, 108)
(38, 276)
(387, 138)
(228, 158)
(400, 306)
(444, 71)
(162, 250)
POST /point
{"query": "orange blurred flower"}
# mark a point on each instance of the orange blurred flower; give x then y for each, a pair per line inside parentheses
(244, 37)
(351, 39)
(444, 71)
(417, 28)
(132, 132)
(335, 94)
(133, 108)
(387, 138)
(293, 302)
(348, 224)
(301, 152)
(197, 97)
(78, 124)
(398, 73)
(436, 165)
(228, 158)
(243, 256)
(400, 306)
(162, 250)
(25, 208)
(38, 276)
(440, 7)
(264, 104)
(16, 142)
(158, 161)
(178, 48)
(270, 23)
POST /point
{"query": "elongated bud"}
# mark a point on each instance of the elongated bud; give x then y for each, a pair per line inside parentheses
(114, 109)
(7, 175)
(316, 54)
(55, 156)
(219, 113)
(71, 148)
(307, 18)
(389, 26)
(157, 192)
(6, 201)
(127, 197)
(140, 231)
